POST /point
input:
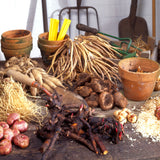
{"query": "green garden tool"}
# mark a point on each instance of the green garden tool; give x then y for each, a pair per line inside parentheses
(128, 41)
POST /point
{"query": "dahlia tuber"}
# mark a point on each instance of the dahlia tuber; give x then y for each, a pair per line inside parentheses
(84, 91)
(99, 85)
(92, 100)
(106, 101)
(120, 100)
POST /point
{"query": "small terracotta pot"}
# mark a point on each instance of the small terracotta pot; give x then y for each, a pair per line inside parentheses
(138, 86)
(47, 47)
(23, 52)
(16, 36)
(16, 43)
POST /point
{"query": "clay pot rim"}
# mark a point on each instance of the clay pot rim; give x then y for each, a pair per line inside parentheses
(6, 34)
(138, 73)
(40, 38)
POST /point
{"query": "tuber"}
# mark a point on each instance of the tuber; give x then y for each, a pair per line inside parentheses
(99, 85)
(15, 131)
(84, 91)
(120, 100)
(157, 86)
(21, 140)
(4, 125)
(106, 101)
(92, 100)
(37, 75)
(53, 80)
(82, 78)
(5, 147)
(12, 117)
(21, 125)
(8, 134)
(33, 90)
(132, 118)
(1, 132)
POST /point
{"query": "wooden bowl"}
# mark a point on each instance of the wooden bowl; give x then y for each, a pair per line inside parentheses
(138, 86)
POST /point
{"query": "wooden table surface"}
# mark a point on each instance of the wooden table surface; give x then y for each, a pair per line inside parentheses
(132, 147)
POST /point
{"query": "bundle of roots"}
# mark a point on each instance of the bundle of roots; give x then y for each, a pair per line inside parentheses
(13, 100)
(78, 125)
(89, 54)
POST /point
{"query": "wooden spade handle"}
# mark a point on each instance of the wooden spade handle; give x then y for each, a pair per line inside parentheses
(133, 10)
(83, 27)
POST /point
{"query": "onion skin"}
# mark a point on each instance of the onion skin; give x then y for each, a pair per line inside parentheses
(21, 125)
(1, 132)
(4, 125)
(21, 141)
(5, 147)
(8, 134)
(12, 118)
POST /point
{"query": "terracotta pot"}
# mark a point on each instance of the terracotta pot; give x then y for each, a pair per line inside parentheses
(16, 43)
(8, 45)
(138, 86)
(23, 52)
(16, 36)
(48, 48)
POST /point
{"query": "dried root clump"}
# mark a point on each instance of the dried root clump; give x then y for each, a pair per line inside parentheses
(32, 69)
(89, 54)
(14, 100)
(99, 93)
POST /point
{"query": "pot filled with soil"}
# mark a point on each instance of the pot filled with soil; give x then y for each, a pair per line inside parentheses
(138, 77)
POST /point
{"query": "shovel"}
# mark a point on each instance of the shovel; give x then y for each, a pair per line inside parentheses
(133, 26)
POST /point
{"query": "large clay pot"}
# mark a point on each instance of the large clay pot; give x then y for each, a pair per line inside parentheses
(47, 47)
(16, 43)
(138, 86)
